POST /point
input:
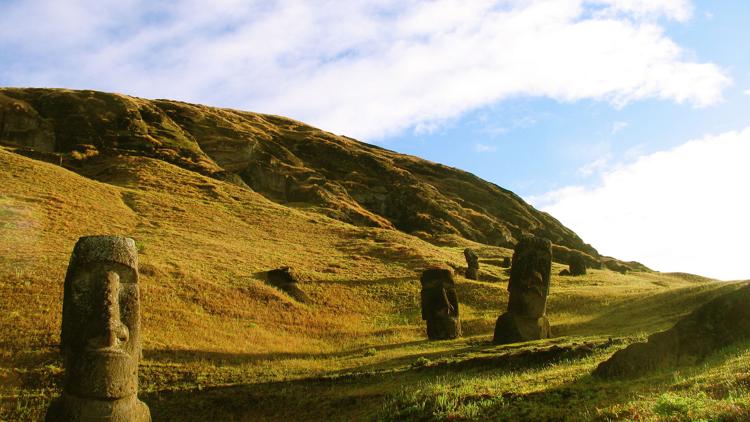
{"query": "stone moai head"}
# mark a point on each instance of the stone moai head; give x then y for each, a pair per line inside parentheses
(576, 264)
(101, 327)
(530, 277)
(472, 260)
(438, 293)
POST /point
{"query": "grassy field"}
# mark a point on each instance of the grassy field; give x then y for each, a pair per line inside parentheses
(221, 344)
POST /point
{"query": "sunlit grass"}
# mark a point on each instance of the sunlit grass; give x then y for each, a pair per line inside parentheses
(212, 325)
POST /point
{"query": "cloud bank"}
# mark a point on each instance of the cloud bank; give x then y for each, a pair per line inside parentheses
(364, 68)
(685, 209)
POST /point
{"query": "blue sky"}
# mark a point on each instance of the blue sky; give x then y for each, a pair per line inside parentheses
(625, 119)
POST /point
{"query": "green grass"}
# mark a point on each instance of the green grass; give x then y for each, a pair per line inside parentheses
(221, 344)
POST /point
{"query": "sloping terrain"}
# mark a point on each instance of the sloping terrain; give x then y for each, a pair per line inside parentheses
(285, 160)
(222, 344)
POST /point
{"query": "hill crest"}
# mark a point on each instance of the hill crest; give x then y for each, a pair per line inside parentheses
(286, 161)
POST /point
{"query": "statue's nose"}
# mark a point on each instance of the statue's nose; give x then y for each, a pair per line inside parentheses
(111, 332)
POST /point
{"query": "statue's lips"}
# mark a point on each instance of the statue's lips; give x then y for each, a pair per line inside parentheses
(106, 352)
(103, 373)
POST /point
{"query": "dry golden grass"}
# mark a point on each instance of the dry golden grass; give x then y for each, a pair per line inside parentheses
(210, 320)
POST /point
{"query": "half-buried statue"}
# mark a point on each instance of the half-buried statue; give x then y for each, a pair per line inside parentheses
(101, 339)
(528, 288)
(440, 304)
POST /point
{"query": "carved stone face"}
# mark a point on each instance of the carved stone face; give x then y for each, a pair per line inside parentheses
(101, 319)
(530, 277)
(438, 293)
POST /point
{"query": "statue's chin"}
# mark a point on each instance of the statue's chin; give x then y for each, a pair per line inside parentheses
(102, 374)
(534, 305)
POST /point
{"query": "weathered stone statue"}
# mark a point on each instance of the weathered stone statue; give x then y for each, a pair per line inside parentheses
(506, 262)
(284, 279)
(576, 265)
(472, 260)
(528, 287)
(440, 304)
(101, 334)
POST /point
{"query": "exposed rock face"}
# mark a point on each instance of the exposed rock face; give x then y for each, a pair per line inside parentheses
(22, 126)
(101, 339)
(284, 279)
(440, 304)
(285, 160)
(472, 260)
(528, 287)
(576, 265)
(712, 326)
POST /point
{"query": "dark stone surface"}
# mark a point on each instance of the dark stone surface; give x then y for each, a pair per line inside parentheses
(440, 304)
(528, 287)
(715, 325)
(576, 265)
(472, 260)
(284, 279)
(100, 339)
(506, 262)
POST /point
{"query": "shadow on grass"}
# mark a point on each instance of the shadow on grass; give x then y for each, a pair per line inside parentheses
(223, 358)
(647, 314)
(352, 396)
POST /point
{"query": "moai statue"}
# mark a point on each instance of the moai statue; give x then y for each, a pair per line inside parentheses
(440, 304)
(283, 278)
(506, 262)
(576, 264)
(528, 287)
(472, 260)
(101, 334)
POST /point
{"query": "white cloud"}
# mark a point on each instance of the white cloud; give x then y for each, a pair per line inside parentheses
(618, 126)
(484, 148)
(364, 68)
(684, 209)
(746, 92)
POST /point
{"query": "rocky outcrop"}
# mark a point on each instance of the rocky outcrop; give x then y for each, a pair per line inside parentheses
(717, 324)
(285, 160)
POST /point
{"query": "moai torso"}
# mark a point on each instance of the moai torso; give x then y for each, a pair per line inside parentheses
(440, 304)
(101, 334)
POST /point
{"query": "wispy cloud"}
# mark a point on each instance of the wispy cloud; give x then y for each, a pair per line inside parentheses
(365, 68)
(618, 126)
(595, 166)
(484, 148)
(746, 92)
(677, 210)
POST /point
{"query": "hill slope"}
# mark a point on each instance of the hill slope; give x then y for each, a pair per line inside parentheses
(285, 160)
(210, 321)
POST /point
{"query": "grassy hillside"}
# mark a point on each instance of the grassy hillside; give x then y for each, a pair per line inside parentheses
(287, 161)
(220, 343)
